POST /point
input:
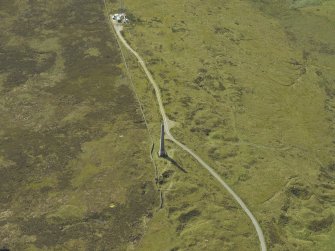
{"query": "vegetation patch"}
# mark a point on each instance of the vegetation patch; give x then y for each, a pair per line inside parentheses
(69, 124)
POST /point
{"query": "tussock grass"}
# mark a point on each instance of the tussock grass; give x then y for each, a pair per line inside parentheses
(250, 84)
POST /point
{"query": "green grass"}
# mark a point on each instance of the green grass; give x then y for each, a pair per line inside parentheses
(73, 141)
(250, 84)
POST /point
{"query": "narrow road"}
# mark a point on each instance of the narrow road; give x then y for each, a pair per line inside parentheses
(118, 28)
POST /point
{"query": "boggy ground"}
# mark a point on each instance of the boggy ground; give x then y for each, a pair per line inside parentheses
(251, 85)
(75, 172)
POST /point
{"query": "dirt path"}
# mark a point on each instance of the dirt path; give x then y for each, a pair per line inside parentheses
(167, 123)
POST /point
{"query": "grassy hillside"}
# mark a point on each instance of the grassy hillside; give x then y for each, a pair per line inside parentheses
(75, 172)
(251, 87)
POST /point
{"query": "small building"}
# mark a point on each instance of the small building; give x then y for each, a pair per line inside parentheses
(120, 18)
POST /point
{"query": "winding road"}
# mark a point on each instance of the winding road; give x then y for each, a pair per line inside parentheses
(167, 123)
